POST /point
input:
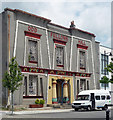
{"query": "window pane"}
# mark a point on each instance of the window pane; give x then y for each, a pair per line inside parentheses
(87, 85)
(108, 97)
(97, 97)
(25, 86)
(104, 63)
(59, 55)
(41, 84)
(32, 50)
(77, 87)
(82, 59)
(82, 84)
(103, 97)
(32, 85)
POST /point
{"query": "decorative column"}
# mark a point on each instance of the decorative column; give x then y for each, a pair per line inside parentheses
(54, 94)
(65, 92)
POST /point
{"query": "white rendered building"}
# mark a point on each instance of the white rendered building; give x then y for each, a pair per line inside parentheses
(105, 59)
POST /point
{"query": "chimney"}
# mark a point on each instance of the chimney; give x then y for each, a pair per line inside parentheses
(72, 24)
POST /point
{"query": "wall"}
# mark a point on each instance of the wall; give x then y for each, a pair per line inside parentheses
(108, 50)
(4, 53)
(46, 47)
(1, 60)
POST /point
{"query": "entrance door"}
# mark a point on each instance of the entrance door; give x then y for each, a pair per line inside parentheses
(59, 90)
(93, 100)
(63, 91)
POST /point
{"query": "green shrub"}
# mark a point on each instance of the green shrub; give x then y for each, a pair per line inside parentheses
(37, 101)
(42, 101)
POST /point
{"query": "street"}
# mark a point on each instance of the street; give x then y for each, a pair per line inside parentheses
(70, 115)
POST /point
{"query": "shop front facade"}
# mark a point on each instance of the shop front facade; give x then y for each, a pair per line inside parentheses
(57, 62)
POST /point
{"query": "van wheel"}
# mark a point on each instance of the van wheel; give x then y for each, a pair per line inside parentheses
(89, 108)
(105, 107)
(76, 109)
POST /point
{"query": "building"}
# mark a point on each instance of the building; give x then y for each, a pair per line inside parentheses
(57, 62)
(105, 59)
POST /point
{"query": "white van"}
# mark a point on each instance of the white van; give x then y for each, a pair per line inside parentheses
(92, 99)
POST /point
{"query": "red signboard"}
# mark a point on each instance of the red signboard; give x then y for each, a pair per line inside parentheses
(81, 42)
(59, 37)
(55, 72)
(32, 29)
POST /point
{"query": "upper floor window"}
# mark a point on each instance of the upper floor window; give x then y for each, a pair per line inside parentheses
(59, 55)
(82, 60)
(104, 63)
(32, 50)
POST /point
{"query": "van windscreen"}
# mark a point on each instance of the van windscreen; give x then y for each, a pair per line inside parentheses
(83, 97)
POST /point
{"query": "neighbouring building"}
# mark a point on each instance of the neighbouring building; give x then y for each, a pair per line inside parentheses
(105, 59)
(106, 54)
(57, 62)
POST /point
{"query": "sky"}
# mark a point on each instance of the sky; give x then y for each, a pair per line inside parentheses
(89, 15)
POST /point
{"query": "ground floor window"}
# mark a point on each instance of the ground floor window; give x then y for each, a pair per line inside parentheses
(25, 86)
(87, 85)
(33, 85)
(78, 87)
(82, 84)
(103, 84)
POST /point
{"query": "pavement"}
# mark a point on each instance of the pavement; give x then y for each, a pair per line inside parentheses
(35, 110)
(29, 111)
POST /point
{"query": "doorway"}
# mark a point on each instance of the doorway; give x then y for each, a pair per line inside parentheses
(60, 87)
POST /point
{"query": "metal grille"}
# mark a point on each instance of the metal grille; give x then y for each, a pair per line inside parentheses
(77, 103)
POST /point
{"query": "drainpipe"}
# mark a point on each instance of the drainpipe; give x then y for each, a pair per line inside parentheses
(62, 93)
(8, 102)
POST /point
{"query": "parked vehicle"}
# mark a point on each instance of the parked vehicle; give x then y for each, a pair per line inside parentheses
(92, 99)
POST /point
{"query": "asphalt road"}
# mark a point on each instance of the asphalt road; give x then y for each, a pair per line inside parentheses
(70, 115)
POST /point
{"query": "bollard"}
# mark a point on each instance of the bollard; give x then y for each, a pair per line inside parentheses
(107, 114)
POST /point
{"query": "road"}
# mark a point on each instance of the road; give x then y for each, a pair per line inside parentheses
(70, 115)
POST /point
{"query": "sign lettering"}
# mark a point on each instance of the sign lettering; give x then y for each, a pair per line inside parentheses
(59, 37)
(81, 42)
(32, 29)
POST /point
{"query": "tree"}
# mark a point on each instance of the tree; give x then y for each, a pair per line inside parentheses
(110, 69)
(13, 78)
(104, 80)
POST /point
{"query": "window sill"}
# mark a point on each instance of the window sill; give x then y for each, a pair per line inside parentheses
(34, 62)
(32, 96)
(60, 65)
(82, 68)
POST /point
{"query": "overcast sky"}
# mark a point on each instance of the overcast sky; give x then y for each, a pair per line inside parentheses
(94, 17)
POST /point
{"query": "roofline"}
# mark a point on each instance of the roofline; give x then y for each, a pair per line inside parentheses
(84, 31)
(106, 47)
(97, 41)
(17, 10)
(59, 25)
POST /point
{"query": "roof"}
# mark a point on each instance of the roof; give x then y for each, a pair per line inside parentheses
(17, 10)
(93, 91)
(106, 47)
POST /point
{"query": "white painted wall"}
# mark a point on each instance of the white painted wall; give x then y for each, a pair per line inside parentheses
(108, 50)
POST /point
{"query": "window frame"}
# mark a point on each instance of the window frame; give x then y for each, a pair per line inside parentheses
(107, 97)
(36, 81)
(31, 39)
(104, 63)
(97, 96)
(84, 65)
(63, 47)
(104, 97)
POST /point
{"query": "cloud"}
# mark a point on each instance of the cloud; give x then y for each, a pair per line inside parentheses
(90, 16)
